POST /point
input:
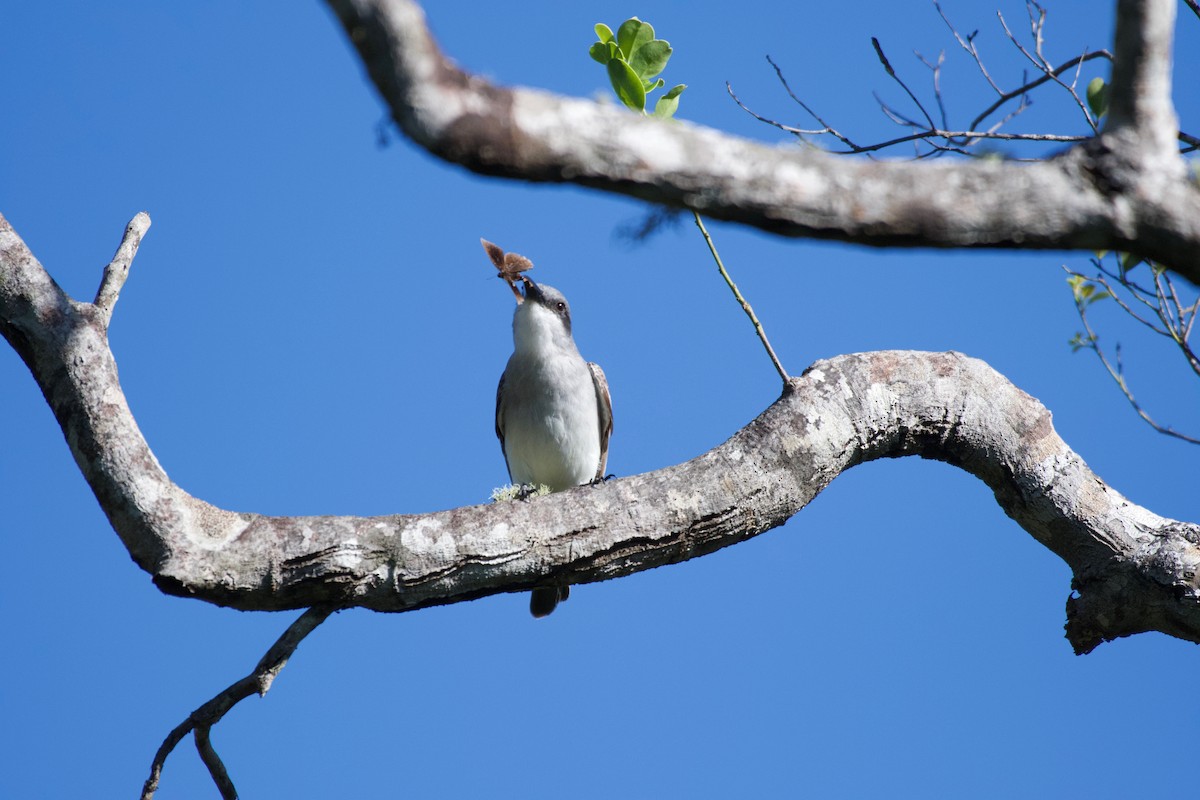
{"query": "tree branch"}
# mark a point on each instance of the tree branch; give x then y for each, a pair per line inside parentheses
(1086, 198)
(1134, 571)
(118, 269)
(259, 681)
(1140, 104)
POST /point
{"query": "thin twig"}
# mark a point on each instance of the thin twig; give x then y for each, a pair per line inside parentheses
(118, 269)
(216, 768)
(892, 73)
(970, 135)
(1005, 97)
(257, 682)
(1040, 62)
(936, 69)
(968, 44)
(1116, 373)
(1120, 301)
(799, 132)
(813, 114)
(1164, 302)
(758, 328)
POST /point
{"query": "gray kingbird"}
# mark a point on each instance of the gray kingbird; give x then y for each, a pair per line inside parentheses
(553, 410)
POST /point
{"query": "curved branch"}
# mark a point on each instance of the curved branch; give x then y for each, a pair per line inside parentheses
(1134, 571)
(1084, 199)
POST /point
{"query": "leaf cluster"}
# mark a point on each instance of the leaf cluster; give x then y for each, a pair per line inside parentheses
(634, 59)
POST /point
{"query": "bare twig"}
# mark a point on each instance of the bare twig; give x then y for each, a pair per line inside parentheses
(216, 767)
(828, 128)
(1176, 323)
(1020, 91)
(1102, 280)
(758, 328)
(954, 141)
(1038, 60)
(892, 74)
(936, 69)
(968, 44)
(1118, 376)
(970, 137)
(800, 132)
(118, 269)
(257, 682)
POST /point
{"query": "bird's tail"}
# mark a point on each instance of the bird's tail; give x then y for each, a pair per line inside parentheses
(544, 599)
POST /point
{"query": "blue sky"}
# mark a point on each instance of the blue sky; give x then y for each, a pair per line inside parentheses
(899, 637)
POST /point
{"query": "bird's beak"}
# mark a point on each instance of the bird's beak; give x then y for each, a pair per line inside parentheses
(532, 290)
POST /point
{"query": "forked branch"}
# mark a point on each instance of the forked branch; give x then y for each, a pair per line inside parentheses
(200, 722)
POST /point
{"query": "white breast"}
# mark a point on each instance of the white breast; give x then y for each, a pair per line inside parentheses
(551, 421)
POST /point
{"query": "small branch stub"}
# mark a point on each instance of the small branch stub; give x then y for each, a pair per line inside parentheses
(118, 269)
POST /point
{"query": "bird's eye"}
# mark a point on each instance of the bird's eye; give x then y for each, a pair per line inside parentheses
(560, 305)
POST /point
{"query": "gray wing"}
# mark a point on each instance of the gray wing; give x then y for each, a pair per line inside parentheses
(604, 404)
(500, 422)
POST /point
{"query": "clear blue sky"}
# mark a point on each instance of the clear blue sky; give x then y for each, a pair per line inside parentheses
(900, 637)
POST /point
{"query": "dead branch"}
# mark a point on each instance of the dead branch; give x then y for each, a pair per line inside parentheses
(259, 681)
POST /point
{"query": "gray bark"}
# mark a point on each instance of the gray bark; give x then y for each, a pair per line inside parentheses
(1126, 190)
(1134, 571)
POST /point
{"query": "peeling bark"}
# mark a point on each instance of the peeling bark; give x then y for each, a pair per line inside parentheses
(1134, 571)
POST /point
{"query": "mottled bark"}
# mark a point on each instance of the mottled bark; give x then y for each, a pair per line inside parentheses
(1134, 571)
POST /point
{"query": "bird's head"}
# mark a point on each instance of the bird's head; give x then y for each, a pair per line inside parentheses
(544, 317)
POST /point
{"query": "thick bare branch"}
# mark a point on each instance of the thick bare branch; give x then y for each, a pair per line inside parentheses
(1140, 101)
(1084, 199)
(1134, 571)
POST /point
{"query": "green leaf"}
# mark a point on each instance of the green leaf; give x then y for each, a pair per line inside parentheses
(650, 59)
(1080, 342)
(1129, 261)
(627, 85)
(1097, 96)
(668, 104)
(650, 87)
(603, 32)
(665, 108)
(674, 92)
(599, 52)
(632, 34)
